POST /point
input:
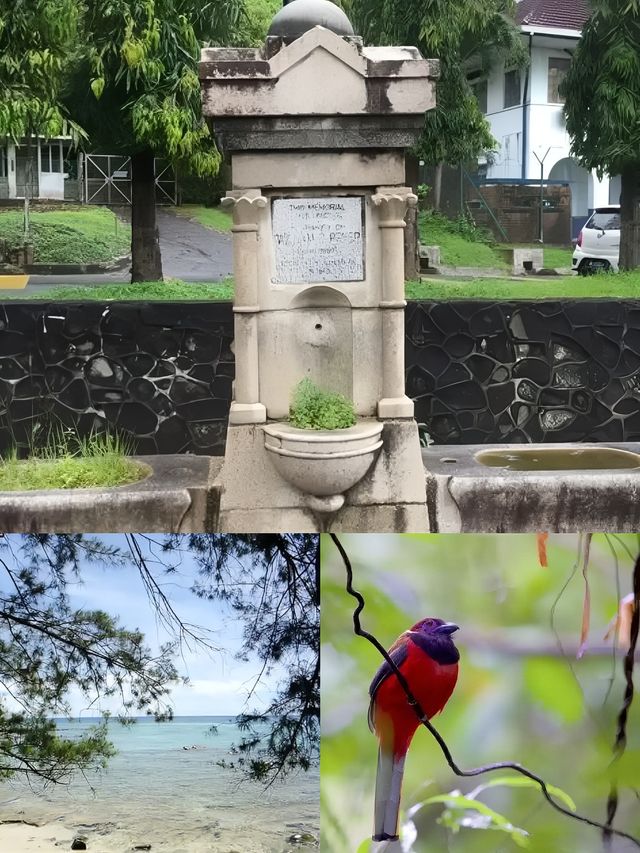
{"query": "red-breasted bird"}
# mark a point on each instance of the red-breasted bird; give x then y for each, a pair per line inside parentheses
(428, 659)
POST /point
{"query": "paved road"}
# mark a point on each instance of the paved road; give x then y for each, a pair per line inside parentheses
(189, 252)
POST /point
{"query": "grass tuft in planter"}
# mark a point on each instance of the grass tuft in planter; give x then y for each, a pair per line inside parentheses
(72, 463)
(313, 408)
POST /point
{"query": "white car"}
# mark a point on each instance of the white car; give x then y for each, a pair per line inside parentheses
(598, 245)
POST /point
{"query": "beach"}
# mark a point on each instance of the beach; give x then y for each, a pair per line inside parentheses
(164, 788)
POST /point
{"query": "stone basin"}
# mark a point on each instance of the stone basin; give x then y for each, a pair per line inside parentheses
(515, 488)
(559, 458)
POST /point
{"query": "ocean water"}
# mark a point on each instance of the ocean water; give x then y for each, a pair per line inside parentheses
(161, 791)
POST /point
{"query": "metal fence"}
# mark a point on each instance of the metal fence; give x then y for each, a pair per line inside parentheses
(106, 179)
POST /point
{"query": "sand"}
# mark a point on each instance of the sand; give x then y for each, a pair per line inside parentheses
(54, 837)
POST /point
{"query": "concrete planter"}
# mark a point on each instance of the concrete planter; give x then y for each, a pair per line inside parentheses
(324, 464)
(178, 496)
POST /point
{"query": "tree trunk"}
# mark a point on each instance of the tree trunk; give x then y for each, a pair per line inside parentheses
(146, 262)
(411, 245)
(437, 186)
(630, 218)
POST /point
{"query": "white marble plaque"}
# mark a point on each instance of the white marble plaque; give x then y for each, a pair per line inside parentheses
(318, 239)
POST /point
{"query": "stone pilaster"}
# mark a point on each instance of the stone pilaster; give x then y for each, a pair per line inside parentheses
(392, 203)
(248, 207)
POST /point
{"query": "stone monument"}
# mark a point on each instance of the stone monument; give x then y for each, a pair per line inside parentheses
(317, 126)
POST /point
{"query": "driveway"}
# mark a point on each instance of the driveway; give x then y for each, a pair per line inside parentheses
(189, 252)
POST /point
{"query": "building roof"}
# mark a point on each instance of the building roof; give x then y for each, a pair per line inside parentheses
(553, 14)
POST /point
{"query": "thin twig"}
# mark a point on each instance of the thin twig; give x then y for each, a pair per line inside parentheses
(476, 771)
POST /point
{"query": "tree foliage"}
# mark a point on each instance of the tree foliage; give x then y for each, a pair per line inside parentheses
(454, 33)
(602, 89)
(36, 37)
(48, 648)
(602, 108)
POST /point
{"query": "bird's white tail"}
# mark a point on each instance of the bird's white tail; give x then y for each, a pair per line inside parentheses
(388, 788)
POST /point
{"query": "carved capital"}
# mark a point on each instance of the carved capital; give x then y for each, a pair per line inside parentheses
(393, 204)
(247, 208)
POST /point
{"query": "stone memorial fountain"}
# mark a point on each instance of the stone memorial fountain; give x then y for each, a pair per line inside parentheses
(317, 126)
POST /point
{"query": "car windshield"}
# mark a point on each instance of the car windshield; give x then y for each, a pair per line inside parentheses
(605, 220)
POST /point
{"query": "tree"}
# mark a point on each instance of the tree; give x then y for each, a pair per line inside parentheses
(36, 37)
(455, 33)
(134, 87)
(47, 648)
(602, 109)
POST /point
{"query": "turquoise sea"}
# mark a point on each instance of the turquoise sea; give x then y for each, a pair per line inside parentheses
(159, 790)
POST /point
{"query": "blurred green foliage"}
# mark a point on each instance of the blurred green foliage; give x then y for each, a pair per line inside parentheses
(521, 696)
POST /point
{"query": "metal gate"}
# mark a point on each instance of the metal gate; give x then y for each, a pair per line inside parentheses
(107, 180)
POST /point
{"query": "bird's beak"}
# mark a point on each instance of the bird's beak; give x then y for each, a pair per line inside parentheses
(447, 628)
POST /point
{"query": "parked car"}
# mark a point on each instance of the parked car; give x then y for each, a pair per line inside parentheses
(598, 245)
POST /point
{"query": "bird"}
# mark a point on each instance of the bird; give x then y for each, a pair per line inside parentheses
(428, 659)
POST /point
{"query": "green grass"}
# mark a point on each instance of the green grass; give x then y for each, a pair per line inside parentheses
(456, 247)
(73, 235)
(621, 286)
(216, 218)
(71, 463)
(152, 291)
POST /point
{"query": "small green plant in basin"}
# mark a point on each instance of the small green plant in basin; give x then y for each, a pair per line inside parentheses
(70, 462)
(313, 408)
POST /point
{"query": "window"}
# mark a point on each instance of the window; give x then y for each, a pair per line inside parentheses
(50, 158)
(511, 88)
(557, 72)
(4, 164)
(605, 220)
(479, 89)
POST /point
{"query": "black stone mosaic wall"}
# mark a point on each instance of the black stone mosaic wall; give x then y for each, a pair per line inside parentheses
(483, 372)
(480, 372)
(159, 373)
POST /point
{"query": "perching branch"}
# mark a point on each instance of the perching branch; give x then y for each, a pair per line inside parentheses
(621, 731)
(476, 771)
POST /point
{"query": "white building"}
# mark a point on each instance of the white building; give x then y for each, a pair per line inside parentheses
(524, 108)
(45, 178)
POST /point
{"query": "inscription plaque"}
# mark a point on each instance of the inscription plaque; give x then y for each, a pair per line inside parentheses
(318, 239)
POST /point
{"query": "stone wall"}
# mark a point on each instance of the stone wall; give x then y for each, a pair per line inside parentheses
(479, 371)
(158, 373)
(483, 372)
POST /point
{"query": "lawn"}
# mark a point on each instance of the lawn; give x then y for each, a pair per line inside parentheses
(216, 218)
(462, 245)
(72, 235)
(621, 286)
(152, 291)
(456, 247)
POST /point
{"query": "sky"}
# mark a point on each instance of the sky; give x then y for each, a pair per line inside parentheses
(218, 683)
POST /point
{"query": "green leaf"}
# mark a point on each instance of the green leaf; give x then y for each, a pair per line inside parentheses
(465, 812)
(525, 782)
(97, 86)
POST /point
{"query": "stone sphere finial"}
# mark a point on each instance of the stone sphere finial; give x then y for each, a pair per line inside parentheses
(298, 16)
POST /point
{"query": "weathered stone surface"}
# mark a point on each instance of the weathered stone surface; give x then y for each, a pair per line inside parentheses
(465, 496)
(179, 496)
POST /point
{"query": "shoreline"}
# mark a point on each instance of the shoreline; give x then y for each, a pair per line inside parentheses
(20, 836)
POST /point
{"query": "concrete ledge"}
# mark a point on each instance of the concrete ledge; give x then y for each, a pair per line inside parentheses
(177, 497)
(465, 496)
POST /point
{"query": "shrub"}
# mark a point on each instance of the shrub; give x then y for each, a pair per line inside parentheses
(313, 408)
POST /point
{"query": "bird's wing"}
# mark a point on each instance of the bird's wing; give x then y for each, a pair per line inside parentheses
(398, 654)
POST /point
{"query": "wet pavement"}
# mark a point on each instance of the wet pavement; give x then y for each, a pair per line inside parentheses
(190, 252)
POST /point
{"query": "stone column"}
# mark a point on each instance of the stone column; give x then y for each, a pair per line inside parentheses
(392, 204)
(248, 206)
